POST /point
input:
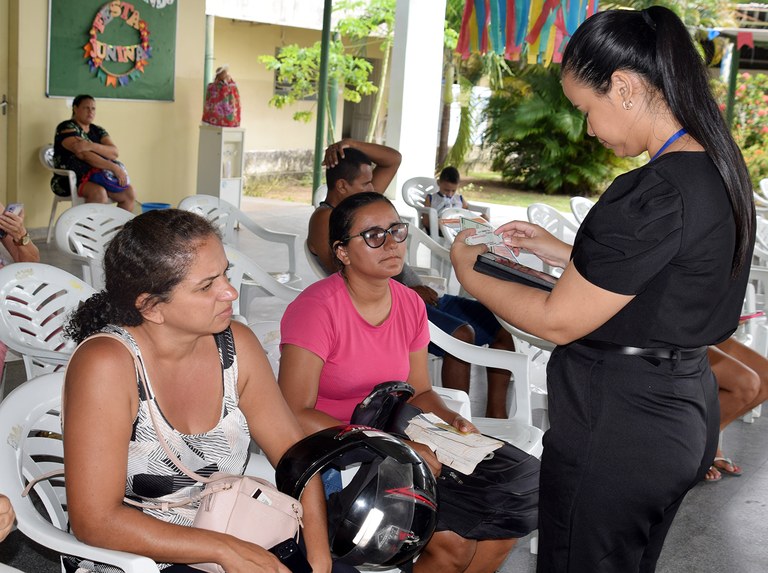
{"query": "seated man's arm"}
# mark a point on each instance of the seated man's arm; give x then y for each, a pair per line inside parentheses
(317, 239)
(386, 160)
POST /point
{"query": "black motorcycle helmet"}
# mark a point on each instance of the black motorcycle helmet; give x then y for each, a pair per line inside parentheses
(385, 514)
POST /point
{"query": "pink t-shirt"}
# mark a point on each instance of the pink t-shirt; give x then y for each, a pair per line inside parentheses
(357, 355)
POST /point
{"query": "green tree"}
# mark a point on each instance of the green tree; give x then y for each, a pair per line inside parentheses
(370, 20)
(704, 13)
(538, 139)
(467, 74)
(750, 127)
(299, 67)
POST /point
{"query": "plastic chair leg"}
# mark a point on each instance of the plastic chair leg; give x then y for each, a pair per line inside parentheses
(50, 220)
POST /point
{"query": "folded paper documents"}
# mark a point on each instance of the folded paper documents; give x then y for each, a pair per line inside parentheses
(460, 451)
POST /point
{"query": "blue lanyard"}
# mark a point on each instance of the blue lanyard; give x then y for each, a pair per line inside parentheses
(669, 142)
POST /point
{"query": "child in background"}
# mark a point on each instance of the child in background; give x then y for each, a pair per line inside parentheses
(446, 197)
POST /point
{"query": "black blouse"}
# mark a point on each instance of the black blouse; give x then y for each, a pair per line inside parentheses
(665, 233)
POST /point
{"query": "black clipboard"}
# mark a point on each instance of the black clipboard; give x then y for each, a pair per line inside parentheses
(509, 270)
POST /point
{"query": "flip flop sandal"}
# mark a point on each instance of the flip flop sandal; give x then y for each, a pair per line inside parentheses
(718, 476)
(723, 468)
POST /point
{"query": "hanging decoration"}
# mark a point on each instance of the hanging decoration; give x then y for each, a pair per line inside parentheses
(536, 30)
(101, 54)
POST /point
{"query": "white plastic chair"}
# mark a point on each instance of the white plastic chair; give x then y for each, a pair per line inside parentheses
(580, 206)
(268, 333)
(319, 195)
(250, 280)
(764, 188)
(82, 233)
(45, 154)
(518, 429)
(427, 257)
(539, 351)
(415, 191)
(314, 263)
(553, 221)
(35, 301)
(227, 218)
(30, 445)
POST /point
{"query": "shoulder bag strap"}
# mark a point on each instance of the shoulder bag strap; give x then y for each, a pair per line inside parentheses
(160, 438)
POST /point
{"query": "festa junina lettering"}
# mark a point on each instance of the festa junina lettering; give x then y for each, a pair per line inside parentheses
(99, 54)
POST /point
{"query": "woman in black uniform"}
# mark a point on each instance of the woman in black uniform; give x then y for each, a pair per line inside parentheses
(657, 272)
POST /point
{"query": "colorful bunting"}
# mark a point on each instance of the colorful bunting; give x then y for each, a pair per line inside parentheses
(98, 53)
(537, 28)
(745, 39)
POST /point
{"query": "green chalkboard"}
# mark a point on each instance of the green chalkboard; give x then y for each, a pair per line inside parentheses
(112, 49)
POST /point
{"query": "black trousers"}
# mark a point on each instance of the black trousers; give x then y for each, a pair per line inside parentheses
(629, 437)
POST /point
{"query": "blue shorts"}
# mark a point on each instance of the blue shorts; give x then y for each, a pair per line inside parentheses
(452, 312)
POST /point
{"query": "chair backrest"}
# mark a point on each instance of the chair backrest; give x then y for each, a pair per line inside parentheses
(552, 220)
(518, 429)
(31, 445)
(424, 251)
(516, 362)
(580, 206)
(83, 232)
(35, 301)
(45, 155)
(415, 191)
(761, 232)
(764, 187)
(210, 207)
(268, 333)
(247, 276)
(319, 195)
(228, 219)
(314, 263)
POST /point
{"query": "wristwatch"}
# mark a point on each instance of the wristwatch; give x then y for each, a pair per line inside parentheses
(23, 241)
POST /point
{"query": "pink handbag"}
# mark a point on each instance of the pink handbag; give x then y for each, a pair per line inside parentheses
(249, 508)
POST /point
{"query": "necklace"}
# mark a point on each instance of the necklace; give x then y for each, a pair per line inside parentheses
(669, 142)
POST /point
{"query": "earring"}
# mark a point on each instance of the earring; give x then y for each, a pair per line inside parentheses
(627, 105)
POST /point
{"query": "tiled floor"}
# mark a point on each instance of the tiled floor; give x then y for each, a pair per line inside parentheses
(721, 526)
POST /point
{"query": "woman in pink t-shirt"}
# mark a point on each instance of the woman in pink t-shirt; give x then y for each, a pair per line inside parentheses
(357, 328)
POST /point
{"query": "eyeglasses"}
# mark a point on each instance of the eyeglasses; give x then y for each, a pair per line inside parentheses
(375, 237)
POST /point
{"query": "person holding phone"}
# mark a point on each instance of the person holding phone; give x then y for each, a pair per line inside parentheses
(656, 275)
(17, 247)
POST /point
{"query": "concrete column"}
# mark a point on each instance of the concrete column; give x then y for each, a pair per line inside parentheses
(414, 92)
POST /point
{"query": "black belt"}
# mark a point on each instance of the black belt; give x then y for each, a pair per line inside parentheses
(663, 353)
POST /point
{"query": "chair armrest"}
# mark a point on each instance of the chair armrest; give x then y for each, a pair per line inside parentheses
(49, 536)
(484, 210)
(288, 239)
(48, 356)
(434, 226)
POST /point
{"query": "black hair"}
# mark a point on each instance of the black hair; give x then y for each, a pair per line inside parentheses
(80, 99)
(450, 175)
(343, 217)
(348, 167)
(655, 44)
(150, 255)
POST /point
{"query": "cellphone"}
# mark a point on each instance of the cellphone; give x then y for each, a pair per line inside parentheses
(14, 208)
(289, 553)
(509, 270)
